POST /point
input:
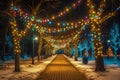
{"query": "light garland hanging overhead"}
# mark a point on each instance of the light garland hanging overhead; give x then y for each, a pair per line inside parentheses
(32, 17)
(66, 25)
(61, 13)
(62, 26)
(30, 22)
(61, 43)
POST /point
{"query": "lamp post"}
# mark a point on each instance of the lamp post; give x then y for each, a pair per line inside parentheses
(34, 38)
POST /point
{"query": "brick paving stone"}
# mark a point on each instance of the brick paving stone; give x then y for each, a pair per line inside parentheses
(61, 69)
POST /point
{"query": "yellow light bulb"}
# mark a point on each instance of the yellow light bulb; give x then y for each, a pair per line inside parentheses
(67, 9)
(61, 13)
(58, 24)
(67, 24)
(53, 17)
(72, 24)
(74, 5)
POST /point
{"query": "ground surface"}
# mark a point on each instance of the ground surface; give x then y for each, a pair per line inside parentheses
(28, 71)
(61, 69)
(112, 71)
(31, 72)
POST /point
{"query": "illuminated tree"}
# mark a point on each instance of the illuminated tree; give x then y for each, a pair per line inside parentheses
(18, 34)
(114, 38)
(48, 49)
(35, 10)
(96, 18)
(110, 52)
(40, 47)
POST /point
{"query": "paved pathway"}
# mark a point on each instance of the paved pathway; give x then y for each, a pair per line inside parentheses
(61, 69)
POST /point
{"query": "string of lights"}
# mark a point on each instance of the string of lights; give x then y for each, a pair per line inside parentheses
(37, 24)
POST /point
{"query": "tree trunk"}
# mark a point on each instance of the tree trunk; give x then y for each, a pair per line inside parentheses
(3, 52)
(17, 62)
(39, 48)
(99, 64)
(115, 57)
(98, 49)
(13, 55)
(3, 48)
(4, 42)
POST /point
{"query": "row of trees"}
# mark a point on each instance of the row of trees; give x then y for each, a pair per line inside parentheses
(34, 10)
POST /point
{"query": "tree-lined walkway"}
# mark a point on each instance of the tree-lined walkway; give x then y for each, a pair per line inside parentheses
(61, 69)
